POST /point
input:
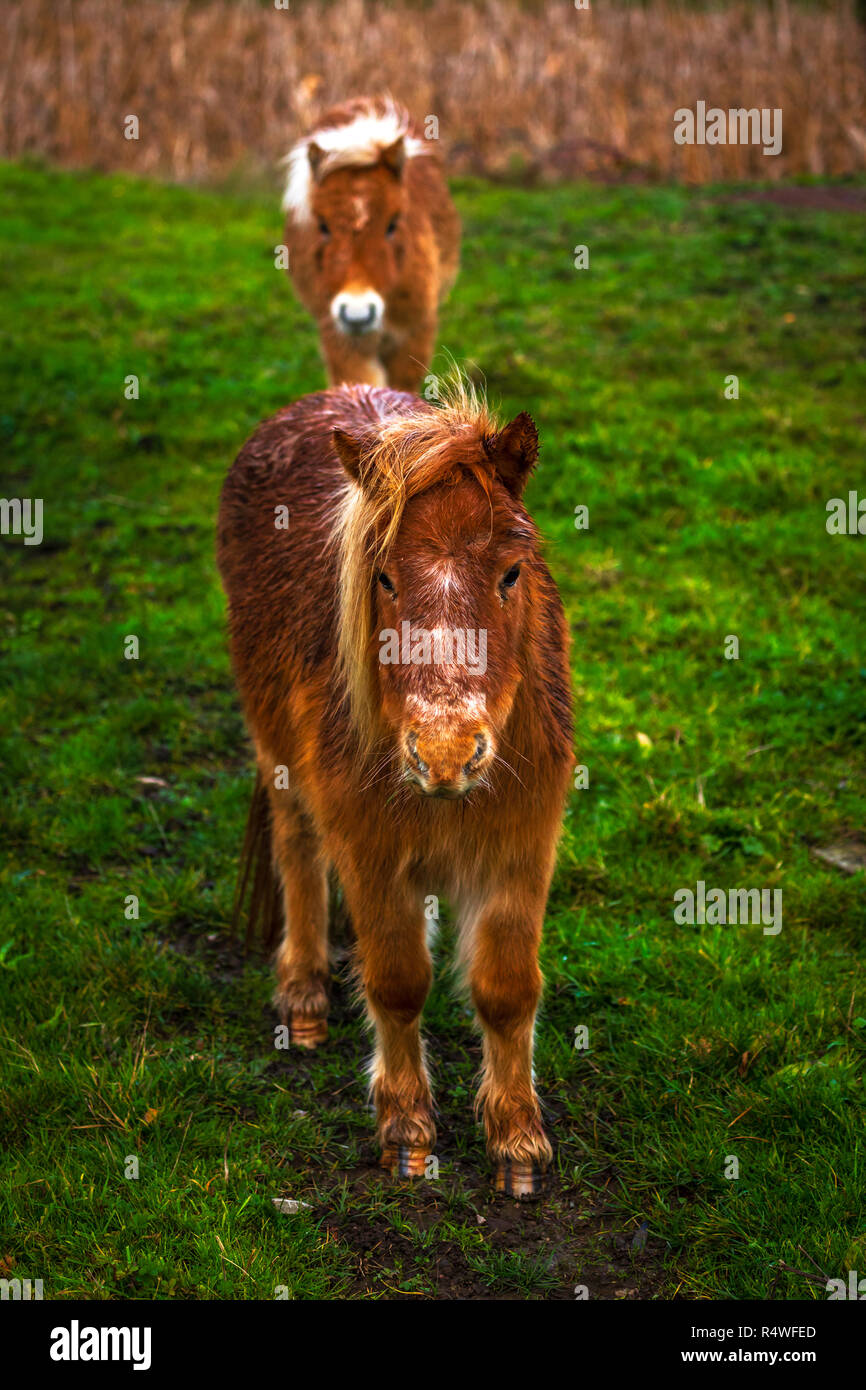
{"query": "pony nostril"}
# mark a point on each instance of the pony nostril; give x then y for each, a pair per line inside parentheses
(415, 756)
(480, 750)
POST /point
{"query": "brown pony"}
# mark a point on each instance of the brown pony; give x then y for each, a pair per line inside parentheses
(373, 240)
(401, 653)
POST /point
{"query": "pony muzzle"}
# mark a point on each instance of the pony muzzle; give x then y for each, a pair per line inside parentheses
(358, 312)
(447, 765)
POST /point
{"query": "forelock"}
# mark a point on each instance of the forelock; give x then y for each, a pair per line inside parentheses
(358, 144)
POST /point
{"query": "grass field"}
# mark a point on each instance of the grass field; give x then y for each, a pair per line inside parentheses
(153, 1038)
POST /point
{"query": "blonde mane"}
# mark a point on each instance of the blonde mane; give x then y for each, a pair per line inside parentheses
(378, 124)
(409, 454)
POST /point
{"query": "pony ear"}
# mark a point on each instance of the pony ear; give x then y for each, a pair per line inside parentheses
(514, 452)
(315, 154)
(348, 452)
(394, 157)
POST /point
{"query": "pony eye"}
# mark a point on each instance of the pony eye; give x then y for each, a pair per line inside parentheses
(323, 227)
(509, 579)
(392, 226)
(386, 583)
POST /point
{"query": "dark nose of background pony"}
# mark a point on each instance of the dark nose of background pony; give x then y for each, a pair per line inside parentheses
(360, 324)
(447, 762)
(358, 311)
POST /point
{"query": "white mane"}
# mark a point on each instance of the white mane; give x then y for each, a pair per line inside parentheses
(360, 142)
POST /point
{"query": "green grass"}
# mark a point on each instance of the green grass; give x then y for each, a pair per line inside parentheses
(154, 1038)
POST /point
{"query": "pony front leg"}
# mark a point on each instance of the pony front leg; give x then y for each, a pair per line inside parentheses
(506, 987)
(407, 362)
(345, 361)
(396, 972)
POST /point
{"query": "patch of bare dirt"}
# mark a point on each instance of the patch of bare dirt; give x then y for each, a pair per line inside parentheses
(824, 197)
(574, 1246)
(848, 854)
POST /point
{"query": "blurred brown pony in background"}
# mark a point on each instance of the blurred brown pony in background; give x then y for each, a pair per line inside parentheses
(373, 240)
(383, 750)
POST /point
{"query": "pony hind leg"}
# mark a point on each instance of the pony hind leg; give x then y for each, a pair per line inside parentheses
(302, 965)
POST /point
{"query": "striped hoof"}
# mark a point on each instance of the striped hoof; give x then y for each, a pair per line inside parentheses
(524, 1181)
(307, 1032)
(403, 1162)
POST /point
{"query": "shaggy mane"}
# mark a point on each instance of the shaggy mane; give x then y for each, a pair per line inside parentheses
(377, 123)
(407, 455)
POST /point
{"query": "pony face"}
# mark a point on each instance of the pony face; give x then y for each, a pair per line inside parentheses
(358, 224)
(373, 240)
(451, 603)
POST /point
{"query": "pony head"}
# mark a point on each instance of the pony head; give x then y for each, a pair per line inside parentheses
(346, 194)
(437, 577)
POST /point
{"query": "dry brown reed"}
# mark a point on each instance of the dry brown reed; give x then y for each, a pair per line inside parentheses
(545, 91)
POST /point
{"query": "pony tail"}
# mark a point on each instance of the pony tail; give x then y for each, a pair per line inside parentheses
(264, 914)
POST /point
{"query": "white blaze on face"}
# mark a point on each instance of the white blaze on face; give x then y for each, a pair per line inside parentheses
(465, 709)
(444, 579)
(358, 311)
(360, 213)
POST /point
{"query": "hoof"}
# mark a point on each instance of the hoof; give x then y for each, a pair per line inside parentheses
(523, 1181)
(307, 1032)
(403, 1162)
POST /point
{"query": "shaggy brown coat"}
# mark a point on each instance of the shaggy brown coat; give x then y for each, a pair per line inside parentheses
(410, 779)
